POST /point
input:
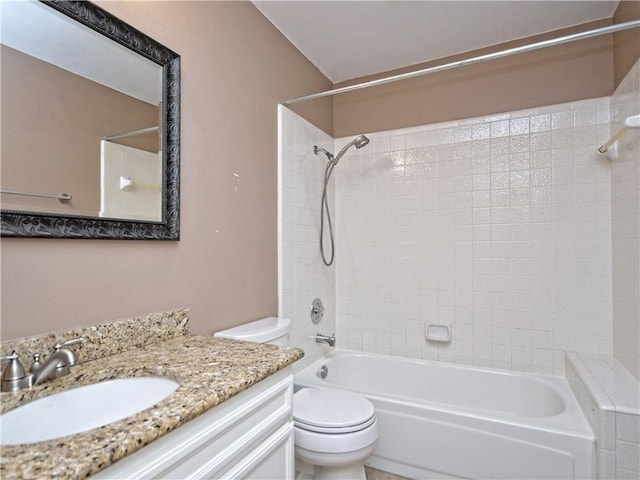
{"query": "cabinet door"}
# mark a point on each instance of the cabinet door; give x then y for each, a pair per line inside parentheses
(272, 460)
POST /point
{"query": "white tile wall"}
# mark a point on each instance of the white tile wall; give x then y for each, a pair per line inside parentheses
(625, 196)
(301, 274)
(500, 225)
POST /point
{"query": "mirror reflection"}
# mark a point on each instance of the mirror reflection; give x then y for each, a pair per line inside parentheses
(81, 120)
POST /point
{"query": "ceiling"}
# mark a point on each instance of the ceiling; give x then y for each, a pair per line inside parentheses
(350, 39)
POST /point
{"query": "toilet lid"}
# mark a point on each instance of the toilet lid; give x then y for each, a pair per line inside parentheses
(326, 410)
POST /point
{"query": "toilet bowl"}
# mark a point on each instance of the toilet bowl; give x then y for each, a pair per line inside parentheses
(334, 431)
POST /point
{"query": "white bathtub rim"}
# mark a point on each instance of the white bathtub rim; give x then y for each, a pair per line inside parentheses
(437, 363)
(570, 422)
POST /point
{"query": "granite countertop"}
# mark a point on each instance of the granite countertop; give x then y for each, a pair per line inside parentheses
(209, 370)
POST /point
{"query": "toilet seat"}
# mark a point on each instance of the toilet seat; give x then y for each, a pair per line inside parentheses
(334, 430)
(331, 411)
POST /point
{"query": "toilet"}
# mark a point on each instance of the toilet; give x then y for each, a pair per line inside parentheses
(272, 330)
(334, 431)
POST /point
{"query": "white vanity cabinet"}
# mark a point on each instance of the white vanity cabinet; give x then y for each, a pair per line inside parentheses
(248, 436)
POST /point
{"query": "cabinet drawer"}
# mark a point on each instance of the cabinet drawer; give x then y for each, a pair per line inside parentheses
(217, 439)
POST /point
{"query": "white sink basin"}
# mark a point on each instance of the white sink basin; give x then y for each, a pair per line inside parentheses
(81, 409)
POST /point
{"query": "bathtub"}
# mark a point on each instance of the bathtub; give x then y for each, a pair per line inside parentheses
(439, 420)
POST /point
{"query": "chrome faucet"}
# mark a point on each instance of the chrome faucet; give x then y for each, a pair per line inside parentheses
(14, 377)
(329, 340)
(57, 365)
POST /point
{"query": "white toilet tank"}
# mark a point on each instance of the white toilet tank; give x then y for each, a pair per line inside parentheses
(273, 330)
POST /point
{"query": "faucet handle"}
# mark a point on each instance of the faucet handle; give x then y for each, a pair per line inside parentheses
(13, 371)
(68, 343)
(13, 356)
(72, 359)
(13, 376)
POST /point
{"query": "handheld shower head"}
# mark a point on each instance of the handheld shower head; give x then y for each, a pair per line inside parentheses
(358, 142)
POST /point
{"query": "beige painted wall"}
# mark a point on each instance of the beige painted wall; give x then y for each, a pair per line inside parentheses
(236, 67)
(558, 74)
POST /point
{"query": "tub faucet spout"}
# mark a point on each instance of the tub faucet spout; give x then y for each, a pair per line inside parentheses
(329, 340)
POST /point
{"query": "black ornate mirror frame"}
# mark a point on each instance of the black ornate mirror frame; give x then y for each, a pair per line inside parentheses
(39, 225)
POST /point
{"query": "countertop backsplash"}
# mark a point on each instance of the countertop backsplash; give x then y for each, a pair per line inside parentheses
(106, 339)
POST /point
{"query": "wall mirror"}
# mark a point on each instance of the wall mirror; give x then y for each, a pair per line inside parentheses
(90, 112)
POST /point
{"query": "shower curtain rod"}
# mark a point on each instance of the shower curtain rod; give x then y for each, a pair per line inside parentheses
(131, 134)
(471, 61)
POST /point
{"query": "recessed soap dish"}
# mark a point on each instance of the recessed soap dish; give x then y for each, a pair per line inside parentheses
(438, 332)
